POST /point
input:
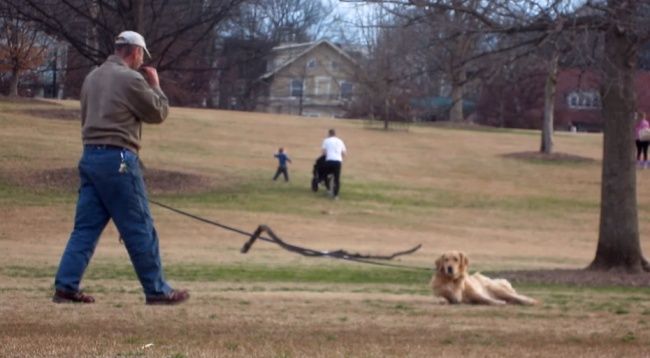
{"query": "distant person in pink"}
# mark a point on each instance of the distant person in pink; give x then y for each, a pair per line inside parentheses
(642, 126)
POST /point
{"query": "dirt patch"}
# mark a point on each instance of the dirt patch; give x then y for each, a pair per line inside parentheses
(158, 181)
(576, 278)
(556, 157)
(171, 182)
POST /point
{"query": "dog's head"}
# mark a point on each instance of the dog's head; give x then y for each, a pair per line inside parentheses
(452, 264)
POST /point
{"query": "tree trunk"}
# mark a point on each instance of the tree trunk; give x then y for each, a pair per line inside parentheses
(300, 100)
(618, 241)
(457, 89)
(546, 146)
(386, 113)
(138, 16)
(92, 40)
(502, 120)
(13, 83)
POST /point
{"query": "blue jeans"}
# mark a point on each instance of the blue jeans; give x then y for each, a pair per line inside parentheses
(105, 194)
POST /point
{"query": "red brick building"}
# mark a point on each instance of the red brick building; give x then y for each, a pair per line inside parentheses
(578, 101)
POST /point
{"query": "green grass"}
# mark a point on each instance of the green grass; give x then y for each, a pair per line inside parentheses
(380, 197)
(616, 300)
(254, 192)
(450, 186)
(13, 195)
(245, 274)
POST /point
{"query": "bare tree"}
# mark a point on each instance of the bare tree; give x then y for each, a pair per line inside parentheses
(563, 47)
(459, 37)
(245, 45)
(625, 27)
(174, 30)
(294, 20)
(382, 71)
(22, 47)
(512, 95)
(618, 242)
(546, 145)
(421, 43)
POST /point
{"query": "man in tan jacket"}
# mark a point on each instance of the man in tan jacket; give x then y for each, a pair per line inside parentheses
(115, 100)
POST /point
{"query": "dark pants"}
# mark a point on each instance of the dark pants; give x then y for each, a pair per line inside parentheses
(641, 147)
(284, 172)
(334, 167)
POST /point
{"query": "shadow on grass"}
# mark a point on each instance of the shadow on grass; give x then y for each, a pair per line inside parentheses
(556, 158)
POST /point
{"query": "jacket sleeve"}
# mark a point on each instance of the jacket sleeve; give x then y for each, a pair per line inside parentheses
(148, 104)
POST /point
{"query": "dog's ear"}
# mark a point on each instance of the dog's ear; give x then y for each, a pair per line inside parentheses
(439, 262)
(464, 262)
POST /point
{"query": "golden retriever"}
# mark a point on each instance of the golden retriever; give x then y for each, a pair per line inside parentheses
(452, 282)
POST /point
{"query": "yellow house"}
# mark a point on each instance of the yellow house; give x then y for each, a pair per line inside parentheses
(314, 79)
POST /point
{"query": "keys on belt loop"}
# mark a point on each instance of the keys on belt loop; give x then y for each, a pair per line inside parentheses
(123, 167)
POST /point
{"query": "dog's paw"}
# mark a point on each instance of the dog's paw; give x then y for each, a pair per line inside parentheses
(532, 302)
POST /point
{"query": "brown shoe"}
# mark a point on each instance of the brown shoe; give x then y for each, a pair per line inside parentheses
(71, 297)
(172, 298)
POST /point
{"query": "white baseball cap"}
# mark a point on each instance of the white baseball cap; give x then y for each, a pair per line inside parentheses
(132, 38)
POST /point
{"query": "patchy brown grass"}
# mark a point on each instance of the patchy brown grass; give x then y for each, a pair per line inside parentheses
(235, 321)
(158, 181)
(447, 188)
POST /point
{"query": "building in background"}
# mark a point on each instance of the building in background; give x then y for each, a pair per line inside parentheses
(578, 100)
(314, 79)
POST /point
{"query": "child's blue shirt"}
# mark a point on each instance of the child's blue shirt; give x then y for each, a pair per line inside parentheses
(282, 159)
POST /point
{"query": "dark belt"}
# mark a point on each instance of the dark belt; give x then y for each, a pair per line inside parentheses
(104, 146)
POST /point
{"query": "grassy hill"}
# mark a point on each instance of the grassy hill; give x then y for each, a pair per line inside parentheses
(444, 187)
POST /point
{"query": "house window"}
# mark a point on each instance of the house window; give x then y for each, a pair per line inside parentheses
(322, 86)
(346, 90)
(240, 87)
(296, 88)
(584, 100)
(335, 65)
(311, 63)
(596, 101)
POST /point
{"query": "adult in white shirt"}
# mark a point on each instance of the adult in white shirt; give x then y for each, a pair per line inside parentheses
(334, 151)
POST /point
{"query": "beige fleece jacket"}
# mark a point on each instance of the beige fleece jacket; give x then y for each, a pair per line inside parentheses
(115, 101)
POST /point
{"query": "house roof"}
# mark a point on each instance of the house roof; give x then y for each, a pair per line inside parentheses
(310, 46)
